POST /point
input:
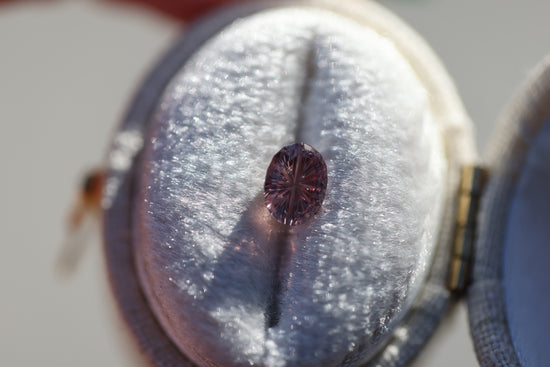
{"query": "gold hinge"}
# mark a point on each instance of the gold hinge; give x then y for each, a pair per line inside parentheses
(472, 182)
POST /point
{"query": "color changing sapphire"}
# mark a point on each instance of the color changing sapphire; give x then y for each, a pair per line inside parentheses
(295, 184)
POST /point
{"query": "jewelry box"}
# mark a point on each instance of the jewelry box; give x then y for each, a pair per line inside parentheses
(411, 221)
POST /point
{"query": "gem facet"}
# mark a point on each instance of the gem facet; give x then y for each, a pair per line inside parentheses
(295, 184)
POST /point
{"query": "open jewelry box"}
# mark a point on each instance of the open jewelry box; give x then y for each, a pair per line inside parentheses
(192, 253)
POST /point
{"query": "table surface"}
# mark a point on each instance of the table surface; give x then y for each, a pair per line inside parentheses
(67, 72)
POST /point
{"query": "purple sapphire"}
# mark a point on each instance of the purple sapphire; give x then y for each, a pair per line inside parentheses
(295, 184)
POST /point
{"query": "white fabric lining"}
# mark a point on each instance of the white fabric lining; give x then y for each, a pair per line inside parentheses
(448, 113)
(182, 232)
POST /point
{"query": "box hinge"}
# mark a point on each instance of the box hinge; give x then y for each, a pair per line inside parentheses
(472, 182)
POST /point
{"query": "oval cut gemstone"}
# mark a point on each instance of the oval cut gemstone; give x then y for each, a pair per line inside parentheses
(295, 184)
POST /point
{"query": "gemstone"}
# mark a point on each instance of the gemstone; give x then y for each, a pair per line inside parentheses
(295, 184)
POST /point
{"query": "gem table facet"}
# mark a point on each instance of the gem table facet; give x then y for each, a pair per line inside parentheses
(295, 184)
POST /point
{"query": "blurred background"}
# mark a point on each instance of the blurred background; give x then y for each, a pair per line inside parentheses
(67, 72)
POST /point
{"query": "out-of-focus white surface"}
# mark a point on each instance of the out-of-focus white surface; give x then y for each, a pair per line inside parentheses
(487, 46)
(67, 71)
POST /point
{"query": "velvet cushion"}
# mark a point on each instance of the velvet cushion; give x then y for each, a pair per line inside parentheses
(367, 275)
(207, 248)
